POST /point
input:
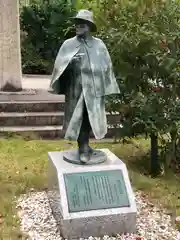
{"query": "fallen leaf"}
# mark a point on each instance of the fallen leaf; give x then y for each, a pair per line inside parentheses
(1, 220)
(178, 220)
(139, 238)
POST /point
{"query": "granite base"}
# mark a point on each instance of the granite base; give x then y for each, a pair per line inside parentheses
(96, 223)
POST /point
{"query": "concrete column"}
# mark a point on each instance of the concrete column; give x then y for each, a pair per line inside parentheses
(10, 53)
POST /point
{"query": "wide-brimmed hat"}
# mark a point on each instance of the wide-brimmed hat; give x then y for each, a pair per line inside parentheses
(86, 16)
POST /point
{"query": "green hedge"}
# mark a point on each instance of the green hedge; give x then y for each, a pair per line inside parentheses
(44, 26)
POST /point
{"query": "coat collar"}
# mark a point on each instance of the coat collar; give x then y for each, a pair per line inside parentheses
(88, 41)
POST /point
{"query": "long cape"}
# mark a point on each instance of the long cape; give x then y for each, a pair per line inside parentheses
(100, 61)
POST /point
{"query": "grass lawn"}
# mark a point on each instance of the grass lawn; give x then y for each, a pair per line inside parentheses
(23, 166)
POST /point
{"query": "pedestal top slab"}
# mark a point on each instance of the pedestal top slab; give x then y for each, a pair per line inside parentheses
(57, 158)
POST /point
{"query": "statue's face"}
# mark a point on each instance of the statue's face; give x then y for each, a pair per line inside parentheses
(82, 28)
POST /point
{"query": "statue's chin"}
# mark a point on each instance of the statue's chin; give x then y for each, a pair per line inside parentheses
(80, 34)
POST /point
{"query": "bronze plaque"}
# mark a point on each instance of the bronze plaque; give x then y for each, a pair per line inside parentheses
(96, 190)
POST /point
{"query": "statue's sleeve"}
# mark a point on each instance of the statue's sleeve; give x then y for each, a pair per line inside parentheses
(61, 69)
(57, 85)
(59, 57)
(106, 54)
(111, 83)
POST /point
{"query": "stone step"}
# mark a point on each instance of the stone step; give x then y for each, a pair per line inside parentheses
(40, 118)
(30, 95)
(44, 132)
(49, 132)
(31, 118)
(31, 106)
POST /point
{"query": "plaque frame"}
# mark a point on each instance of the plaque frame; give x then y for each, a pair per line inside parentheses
(97, 190)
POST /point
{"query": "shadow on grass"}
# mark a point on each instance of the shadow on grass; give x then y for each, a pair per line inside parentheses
(140, 164)
(136, 156)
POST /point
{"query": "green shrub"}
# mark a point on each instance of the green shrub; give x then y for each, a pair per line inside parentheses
(143, 39)
(44, 27)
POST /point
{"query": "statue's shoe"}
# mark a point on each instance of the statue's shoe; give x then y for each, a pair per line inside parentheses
(85, 153)
(90, 150)
(85, 149)
(84, 157)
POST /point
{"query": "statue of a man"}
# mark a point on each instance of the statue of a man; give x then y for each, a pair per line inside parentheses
(83, 72)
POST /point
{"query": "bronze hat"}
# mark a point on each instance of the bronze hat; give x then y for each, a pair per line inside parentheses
(86, 16)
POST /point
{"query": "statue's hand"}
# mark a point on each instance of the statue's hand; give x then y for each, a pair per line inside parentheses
(77, 57)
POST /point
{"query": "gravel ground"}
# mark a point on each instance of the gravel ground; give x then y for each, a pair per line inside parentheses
(36, 219)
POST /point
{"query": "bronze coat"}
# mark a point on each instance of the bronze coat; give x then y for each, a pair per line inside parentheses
(87, 81)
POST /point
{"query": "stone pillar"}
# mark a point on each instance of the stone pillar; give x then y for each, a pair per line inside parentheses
(10, 53)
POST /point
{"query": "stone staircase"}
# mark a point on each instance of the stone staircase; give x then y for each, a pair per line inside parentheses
(42, 117)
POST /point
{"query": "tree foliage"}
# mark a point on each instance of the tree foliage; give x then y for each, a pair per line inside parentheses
(144, 43)
(44, 25)
(143, 38)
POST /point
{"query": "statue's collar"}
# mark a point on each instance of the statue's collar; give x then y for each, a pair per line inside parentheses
(87, 41)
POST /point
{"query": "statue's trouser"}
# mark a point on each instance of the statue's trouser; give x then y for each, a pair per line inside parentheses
(84, 135)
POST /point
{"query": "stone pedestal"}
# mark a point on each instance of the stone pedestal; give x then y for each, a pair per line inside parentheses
(10, 54)
(94, 200)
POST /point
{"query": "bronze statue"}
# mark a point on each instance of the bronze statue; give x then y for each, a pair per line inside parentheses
(83, 72)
